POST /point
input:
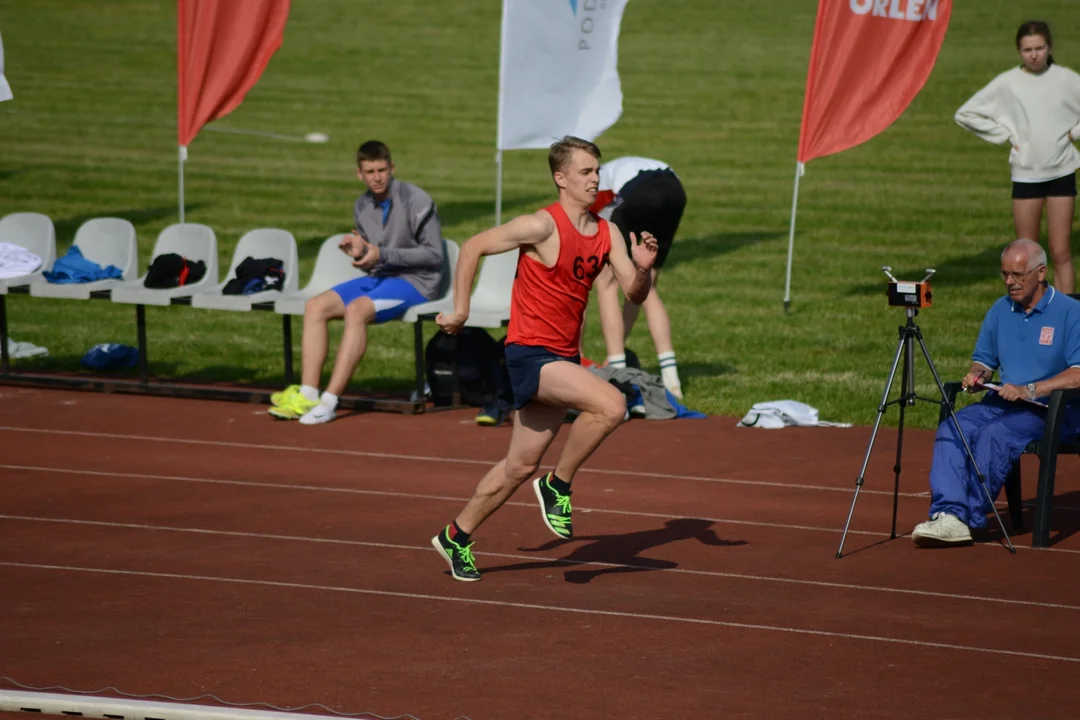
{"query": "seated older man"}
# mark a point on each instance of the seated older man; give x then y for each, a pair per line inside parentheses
(1033, 336)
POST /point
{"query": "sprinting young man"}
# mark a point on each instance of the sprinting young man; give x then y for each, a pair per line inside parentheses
(398, 242)
(562, 249)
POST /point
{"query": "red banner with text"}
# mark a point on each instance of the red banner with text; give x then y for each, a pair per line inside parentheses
(868, 61)
(223, 46)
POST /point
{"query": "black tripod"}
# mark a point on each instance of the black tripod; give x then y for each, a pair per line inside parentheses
(909, 333)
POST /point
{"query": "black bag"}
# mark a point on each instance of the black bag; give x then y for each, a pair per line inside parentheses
(479, 359)
(254, 276)
(171, 270)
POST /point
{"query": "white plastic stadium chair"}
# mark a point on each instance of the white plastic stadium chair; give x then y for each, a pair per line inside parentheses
(490, 303)
(444, 301)
(36, 233)
(105, 241)
(258, 244)
(418, 313)
(331, 268)
(190, 240)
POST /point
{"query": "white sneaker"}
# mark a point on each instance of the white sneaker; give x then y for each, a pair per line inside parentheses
(942, 530)
(317, 415)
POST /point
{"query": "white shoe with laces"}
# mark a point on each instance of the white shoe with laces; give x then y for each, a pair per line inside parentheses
(321, 413)
(942, 530)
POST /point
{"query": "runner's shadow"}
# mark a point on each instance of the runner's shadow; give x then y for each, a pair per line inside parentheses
(622, 553)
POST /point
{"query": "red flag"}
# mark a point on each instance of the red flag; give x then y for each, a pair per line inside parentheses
(223, 46)
(868, 61)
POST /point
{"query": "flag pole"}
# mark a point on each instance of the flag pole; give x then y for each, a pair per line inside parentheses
(498, 187)
(181, 157)
(499, 119)
(800, 169)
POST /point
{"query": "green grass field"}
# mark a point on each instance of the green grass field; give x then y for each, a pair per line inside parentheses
(715, 89)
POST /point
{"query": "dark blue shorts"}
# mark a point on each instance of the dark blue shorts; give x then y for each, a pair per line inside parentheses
(391, 296)
(523, 363)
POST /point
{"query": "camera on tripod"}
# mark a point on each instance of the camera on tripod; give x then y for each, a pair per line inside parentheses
(909, 294)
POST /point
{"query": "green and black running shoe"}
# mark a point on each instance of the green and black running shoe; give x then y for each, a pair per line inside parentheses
(555, 507)
(460, 557)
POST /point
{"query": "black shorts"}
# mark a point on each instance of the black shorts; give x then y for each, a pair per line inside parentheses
(523, 363)
(1060, 187)
(653, 200)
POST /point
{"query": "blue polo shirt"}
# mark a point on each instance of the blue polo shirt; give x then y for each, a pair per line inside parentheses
(1030, 346)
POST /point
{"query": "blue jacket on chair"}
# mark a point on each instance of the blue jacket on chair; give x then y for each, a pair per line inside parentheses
(74, 268)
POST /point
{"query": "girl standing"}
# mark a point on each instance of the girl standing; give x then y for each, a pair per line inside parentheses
(1036, 109)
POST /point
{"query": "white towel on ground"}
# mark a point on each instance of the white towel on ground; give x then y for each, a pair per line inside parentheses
(782, 413)
(25, 349)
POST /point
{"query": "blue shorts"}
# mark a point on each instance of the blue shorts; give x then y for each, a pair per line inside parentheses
(392, 296)
(523, 363)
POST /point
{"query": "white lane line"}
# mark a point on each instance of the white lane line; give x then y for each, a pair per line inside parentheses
(543, 559)
(457, 499)
(547, 608)
(419, 496)
(464, 461)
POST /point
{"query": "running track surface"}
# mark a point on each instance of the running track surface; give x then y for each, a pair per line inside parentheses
(184, 547)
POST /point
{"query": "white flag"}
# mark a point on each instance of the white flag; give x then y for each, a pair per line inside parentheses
(5, 89)
(558, 70)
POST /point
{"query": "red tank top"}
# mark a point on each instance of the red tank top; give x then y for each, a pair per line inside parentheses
(547, 305)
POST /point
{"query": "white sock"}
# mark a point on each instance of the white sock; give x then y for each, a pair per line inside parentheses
(616, 361)
(669, 372)
(310, 393)
(321, 413)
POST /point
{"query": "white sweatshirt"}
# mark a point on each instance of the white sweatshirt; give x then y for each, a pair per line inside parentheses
(1039, 114)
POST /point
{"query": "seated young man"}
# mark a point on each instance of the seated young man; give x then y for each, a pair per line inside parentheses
(398, 243)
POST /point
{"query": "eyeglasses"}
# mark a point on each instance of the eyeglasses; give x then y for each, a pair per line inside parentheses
(1018, 276)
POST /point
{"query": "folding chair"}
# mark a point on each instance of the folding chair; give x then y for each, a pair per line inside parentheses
(189, 240)
(490, 303)
(427, 311)
(1047, 450)
(332, 267)
(105, 241)
(34, 232)
(261, 243)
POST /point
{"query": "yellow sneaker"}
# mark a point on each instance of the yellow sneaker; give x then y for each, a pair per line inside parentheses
(281, 399)
(291, 404)
(283, 413)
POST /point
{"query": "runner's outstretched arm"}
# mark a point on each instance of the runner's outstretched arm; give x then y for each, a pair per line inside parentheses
(633, 271)
(522, 230)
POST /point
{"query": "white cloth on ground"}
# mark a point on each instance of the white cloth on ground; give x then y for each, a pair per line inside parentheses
(16, 261)
(25, 349)
(779, 414)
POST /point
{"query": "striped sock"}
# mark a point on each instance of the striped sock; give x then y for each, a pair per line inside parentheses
(616, 361)
(669, 372)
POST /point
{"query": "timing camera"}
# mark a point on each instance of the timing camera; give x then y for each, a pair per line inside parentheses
(909, 294)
